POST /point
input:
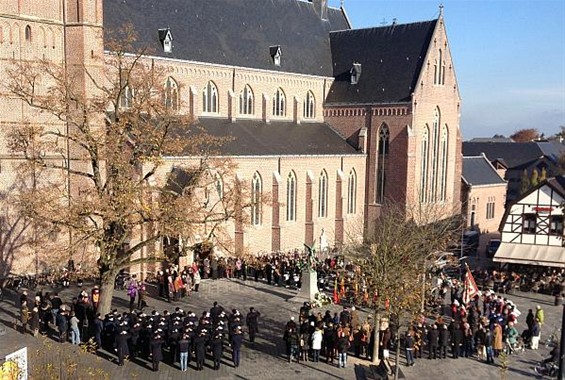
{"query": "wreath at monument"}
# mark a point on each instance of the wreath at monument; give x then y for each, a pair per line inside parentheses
(321, 299)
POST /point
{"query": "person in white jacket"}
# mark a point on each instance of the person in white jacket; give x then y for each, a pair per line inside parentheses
(317, 338)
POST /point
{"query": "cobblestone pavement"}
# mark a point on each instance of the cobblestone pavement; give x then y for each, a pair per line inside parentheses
(265, 358)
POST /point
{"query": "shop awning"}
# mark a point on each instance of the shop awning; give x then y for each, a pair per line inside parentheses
(545, 255)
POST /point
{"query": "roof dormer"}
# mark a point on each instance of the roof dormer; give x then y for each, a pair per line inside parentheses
(355, 72)
(275, 52)
(166, 39)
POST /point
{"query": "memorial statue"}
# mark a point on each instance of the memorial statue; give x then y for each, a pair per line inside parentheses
(310, 258)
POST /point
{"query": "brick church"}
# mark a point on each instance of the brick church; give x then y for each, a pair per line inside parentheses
(331, 121)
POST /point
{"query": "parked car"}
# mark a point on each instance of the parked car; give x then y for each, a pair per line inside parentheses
(470, 241)
(492, 247)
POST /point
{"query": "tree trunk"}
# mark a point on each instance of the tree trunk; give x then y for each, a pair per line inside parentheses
(397, 359)
(375, 355)
(106, 292)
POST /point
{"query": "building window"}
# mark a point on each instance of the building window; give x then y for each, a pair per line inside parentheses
(246, 101)
(256, 193)
(556, 225)
(309, 106)
(291, 197)
(28, 33)
(382, 154)
(351, 192)
(279, 103)
(439, 69)
(443, 164)
(434, 177)
(210, 98)
(171, 94)
(323, 195)
(528, 223)
(490, 208)
(126, 100)
(424, 165)
(219, 186)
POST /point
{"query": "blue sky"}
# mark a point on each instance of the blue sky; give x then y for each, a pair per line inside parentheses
(509, 57)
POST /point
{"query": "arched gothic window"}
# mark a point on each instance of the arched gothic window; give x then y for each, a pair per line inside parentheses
(279, 103)
(171, 94)
(434, 162)
(219, 186)
(291, 197)
(439, 69)
(309, 106)
(126, 100)
(256, 194)
(323, 195)
(443, 163)
(210, 98)
(382, 154)
(246, 101)
(424, 165)
(352, 192)
(28, 33)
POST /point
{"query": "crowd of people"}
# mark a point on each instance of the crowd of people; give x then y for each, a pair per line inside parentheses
(482, 328)
(317, 335)
(172, 336)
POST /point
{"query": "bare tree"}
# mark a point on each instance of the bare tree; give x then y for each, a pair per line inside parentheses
(103, 151)
(393, 257)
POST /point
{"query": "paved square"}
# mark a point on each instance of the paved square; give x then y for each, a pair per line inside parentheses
(265, 358)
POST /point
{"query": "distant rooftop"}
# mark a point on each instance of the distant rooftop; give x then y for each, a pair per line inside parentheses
(491, 139)
(478, 171)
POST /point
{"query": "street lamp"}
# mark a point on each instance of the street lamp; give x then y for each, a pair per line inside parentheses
(561, 373)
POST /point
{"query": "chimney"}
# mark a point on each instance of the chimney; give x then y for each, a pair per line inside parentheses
(321, 8)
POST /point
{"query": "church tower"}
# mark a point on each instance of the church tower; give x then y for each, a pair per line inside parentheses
(84, 42)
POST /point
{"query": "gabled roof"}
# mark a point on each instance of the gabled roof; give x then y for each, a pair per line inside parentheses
(557, 183)
(236, 32)
(514, 154)
(491, 139)
(391, 58)
(277, 138)
(478, 171)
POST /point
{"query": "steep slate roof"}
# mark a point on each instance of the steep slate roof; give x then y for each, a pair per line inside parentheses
(391, 58)
(514, 154)
(491, 139)
(558, 183)
(236, 32)
(478, 171)
(257, 138)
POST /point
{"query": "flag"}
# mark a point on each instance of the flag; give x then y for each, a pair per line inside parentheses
(471, 289)
(336, 296)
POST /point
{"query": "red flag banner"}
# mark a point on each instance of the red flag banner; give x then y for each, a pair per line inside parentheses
(336, 295)
(471, 289)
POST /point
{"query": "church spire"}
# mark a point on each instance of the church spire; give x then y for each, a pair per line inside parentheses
(440, 9)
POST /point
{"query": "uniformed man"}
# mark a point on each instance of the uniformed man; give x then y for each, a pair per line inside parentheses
(252, 323)
(236, 342)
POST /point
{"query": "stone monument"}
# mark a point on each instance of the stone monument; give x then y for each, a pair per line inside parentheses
(309, 281)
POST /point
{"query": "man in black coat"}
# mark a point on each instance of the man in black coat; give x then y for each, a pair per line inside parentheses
(433, 342)
(236, 342)
(200, 349)
(122, 344)
(252, 323)
(62, 326)
(217, 346)
(456, 341)
(443, 341)
(156, 352)
(98, 327)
